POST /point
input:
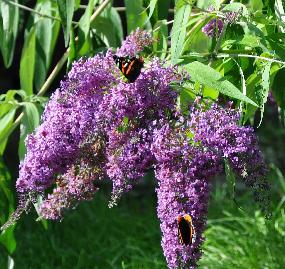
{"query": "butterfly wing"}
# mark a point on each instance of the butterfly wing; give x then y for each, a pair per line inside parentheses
(130, 67)
(186, 231)
(188, 218)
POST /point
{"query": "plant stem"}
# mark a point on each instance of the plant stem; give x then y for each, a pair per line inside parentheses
(54, 73)
(233, 55)
(33, 11)
(168, 22)
(99, 10)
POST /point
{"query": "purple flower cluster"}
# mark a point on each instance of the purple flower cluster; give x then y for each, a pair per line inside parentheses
(213, 28)
(188, 157)
(135, 43)
(78, 183)
(97, 125)
(74, 186)
(67, 119)
(183, 174)
(217, 130)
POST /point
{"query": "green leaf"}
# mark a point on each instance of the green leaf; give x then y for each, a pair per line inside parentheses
(276, 43)
(210, 93)
(117, 23)
(9, 20)
(32, 118)
(250, 41)
(279, 11)
(29, 122)
(136, 14)
(196, 40)
(27, 64)
(66, 10)
(151, 7)
(84, 22)
(76, 4)
(256, 5)
(83, 47)
(262, 92)
(205, 4)
(108, 27)
(7, 239)
(10, 101)
(251, 85)
(160, 37)
(47, 31)
(5, 126)
(278, 88)
(72, 50)
(178, 33)
(186, 96)
(211, 78)
(237, 7)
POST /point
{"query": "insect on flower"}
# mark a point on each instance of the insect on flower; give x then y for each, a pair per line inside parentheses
(130, 67)
(186, 230)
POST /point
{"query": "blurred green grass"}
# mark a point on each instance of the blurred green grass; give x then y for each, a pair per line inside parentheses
(244, 239)
(128, 236)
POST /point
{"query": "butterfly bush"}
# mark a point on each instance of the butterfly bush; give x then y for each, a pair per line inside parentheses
(97, 125)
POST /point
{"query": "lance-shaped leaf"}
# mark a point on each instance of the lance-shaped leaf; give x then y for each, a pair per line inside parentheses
(262, 92)
(29, 122)
(136, 14)
(83, 44)
(84, 22)
(151, 7)
(178, 34)
(213, 79)
(9, 19)
(27, 64)
(66, 10)
(5, 126)
(46, 36)
(108, 27)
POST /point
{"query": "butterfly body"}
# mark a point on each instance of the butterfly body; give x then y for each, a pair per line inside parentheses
(186, 231)
(130, 67)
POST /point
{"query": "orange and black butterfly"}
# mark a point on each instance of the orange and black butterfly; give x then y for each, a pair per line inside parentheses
(186, 230)
(130, 67)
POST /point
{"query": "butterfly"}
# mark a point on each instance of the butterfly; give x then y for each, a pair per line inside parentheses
(130, 67)
(186, 230)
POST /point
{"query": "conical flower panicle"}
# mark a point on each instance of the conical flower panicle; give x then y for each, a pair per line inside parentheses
(99, 125)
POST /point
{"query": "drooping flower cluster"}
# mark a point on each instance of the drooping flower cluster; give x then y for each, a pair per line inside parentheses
(188, 158)
(97, 125)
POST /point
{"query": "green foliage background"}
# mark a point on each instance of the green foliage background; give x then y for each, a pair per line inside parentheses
(244, 64)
